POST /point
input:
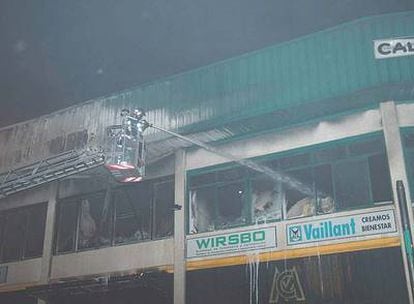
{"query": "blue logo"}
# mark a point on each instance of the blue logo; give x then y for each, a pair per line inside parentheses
(295, 233)
(321, 230)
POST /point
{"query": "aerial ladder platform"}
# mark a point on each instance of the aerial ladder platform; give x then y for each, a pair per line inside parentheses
(123, 155)
(50, 169)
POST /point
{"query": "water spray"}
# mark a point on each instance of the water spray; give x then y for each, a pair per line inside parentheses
(293, 183)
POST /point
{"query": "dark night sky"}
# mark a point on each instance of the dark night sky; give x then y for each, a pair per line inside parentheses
(55, 53)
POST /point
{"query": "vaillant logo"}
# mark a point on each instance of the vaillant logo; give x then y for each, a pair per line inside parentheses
(322, 230)
(341, 227)
(295, 233)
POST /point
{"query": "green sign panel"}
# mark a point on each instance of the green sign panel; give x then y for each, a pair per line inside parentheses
(233, 242)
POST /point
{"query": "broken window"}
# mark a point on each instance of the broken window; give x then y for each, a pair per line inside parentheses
(14, 235)
(304, 192)
(133, 213)
(230, 205)
(95, 221)
(408, 141)
(202, 209)
(267, 199)
(352, 183)
(220, 205)
(67, 226)
(324, 193)
(22, 232)
(380, 178)
(116, 216)
(300, 201)
(164, 209)
(339, 177)
(35, 230)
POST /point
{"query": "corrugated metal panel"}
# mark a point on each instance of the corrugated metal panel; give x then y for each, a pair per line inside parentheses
(323, 66)
(332, 63)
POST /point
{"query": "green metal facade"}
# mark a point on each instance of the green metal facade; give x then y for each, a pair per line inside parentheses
(329, 66)
(315, 76)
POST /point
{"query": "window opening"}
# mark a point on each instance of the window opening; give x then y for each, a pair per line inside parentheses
(297, 203)
(380, 178)
(325, 202)
(202, 209)
(230, 206)
(408, 142)
(15, 233)
(35, 231)
(94, 222)
(340, 177)
(352, 183)
(67, 226)
(163, 209)
(267, 199)
(132, 220)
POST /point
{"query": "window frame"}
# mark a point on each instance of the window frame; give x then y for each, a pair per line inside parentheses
(408, 153)
(312, 163)
(154, 208)
(133, 241)
(76, 199)
(25, 210)
(216, 184)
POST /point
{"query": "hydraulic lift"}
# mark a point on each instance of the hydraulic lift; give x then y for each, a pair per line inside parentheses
(123, 154)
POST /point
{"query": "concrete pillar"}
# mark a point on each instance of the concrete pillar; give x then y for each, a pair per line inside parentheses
(179, 229)
(49, 232)
(396, 164)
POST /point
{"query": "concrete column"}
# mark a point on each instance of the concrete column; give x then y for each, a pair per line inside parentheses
(179, 228)
(49, 232)
(398, 171)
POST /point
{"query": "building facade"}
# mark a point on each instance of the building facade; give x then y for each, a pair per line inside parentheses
(295, 185)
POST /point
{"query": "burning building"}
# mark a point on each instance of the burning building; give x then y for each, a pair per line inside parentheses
(289, 181)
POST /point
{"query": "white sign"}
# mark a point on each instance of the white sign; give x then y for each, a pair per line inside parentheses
(388, 48)
(378, 222)
(233, 242)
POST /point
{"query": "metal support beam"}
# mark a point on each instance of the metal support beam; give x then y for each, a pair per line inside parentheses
(48, 236)
(398, 172)
(179, 228)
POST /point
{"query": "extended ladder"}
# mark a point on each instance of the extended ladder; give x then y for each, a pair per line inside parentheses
(47, 170)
